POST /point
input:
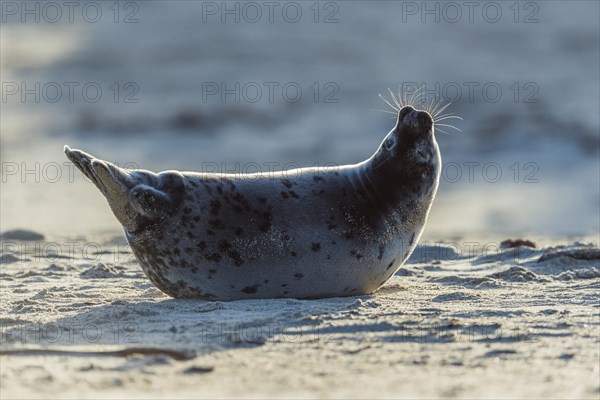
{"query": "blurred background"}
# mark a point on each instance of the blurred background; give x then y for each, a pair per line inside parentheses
(247, 86)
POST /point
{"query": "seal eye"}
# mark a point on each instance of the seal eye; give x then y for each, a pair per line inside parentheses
(425, 156)
(389, 144)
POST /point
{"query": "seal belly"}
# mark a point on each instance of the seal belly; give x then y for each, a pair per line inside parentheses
(266, 237)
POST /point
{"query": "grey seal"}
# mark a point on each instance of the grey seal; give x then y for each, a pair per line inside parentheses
(303, 233)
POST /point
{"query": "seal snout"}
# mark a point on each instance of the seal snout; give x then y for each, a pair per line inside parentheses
(418, 120)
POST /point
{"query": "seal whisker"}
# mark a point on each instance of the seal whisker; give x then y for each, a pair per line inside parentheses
(411, 96)
(448, 117)
(402, 95)
(429, 106)
(419, 99)
(385, 111)
(394, 99)
(438, 105)
(442, 109)
(387, 102)
(449, 126)
(433, 110)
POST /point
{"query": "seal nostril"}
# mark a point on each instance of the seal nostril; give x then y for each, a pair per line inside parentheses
(423, 116)
(419, 119)
(404, 111)
(411, 117)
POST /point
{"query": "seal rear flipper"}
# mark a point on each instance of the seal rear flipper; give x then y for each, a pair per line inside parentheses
(83, 162)
(135, 197)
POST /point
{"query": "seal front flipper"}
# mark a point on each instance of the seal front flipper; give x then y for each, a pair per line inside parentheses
(149, 201)
(137, 197)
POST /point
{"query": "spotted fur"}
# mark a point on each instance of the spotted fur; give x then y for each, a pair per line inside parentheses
(304, 233)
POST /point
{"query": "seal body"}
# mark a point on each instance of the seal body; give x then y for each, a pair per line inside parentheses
(303, 233)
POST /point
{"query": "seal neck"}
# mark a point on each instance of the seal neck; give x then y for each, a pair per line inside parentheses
(395, 172)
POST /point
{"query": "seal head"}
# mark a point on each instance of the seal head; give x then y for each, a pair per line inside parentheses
(407, 167)
(410, 144)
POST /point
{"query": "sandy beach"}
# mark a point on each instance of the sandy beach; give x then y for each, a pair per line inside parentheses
(185, 85)
(452, 323)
